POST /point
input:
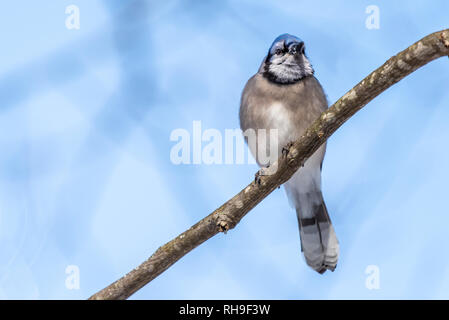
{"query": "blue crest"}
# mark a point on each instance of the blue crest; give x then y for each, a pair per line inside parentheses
(284, 39)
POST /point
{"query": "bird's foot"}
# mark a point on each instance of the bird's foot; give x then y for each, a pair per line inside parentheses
(259, 174)
(286, 149)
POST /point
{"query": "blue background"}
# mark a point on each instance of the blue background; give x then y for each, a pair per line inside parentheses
(85, 172)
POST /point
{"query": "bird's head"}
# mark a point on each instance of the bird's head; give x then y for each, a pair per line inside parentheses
(286, 61)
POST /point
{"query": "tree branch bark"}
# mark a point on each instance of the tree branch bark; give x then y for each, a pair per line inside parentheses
(229, 214)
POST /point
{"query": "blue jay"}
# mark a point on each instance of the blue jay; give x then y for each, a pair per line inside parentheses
(285, 95)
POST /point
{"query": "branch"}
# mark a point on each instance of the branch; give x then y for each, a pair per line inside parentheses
(229, 214)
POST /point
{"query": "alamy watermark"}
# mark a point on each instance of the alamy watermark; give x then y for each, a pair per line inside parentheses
(373, 19)
(212, 146)
(72, 281)
(372, 281)
(73, 19)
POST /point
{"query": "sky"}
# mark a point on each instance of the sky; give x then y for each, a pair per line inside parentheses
(88, 190)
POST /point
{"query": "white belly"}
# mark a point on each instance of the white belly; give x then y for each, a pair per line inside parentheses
(277, 116)
(275, 133)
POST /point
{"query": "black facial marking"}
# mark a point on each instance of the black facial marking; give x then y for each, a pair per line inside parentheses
(286, 61)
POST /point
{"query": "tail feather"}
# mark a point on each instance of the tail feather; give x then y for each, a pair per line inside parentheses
(318, 239)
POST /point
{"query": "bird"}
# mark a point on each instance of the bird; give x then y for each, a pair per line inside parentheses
(285, 95)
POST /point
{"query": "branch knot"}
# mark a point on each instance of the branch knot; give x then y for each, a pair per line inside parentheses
(444, 39)
(225, 222)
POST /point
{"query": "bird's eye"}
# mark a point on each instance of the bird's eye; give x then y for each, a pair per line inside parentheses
(278, 51)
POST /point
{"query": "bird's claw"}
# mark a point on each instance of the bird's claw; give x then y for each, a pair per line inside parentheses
(262, 172)
(257, 178)
(286, 149)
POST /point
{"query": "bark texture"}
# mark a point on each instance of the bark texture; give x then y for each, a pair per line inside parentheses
(229, 214)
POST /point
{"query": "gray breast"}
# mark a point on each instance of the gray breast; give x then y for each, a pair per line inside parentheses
(289, 108)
